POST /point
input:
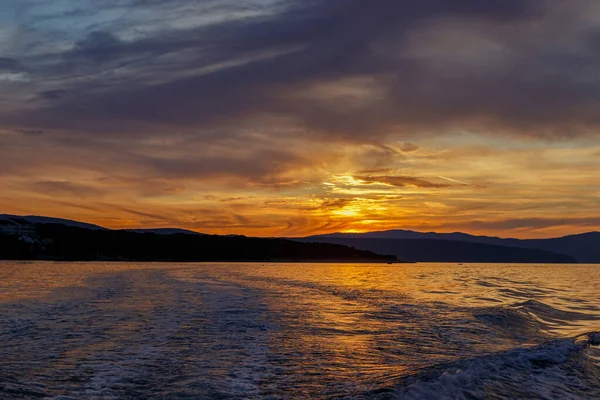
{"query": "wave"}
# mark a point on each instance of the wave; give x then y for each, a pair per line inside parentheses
(551, 314)
(558, 369)
(531, 320)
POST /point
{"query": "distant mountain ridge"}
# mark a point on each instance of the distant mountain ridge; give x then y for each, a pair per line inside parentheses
(55, 239)
(411, 245)
(433, 250)
(35, 219)
(164, 231)
(583, 248)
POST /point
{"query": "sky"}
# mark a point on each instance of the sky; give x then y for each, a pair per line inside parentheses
(298, 117)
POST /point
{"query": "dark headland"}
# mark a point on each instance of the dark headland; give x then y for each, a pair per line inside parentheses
(46, 239)
(462, 247)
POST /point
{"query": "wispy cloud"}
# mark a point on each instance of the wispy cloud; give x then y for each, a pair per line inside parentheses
(440, 112)
(401, 181)
(452, 180)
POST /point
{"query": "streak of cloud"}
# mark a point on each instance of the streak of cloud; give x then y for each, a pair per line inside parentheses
(296, 116)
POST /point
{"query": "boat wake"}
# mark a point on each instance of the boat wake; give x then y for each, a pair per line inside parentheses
(129, 331)
(559, 369)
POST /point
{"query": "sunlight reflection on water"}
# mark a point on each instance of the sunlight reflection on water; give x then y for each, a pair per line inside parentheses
(138, 330)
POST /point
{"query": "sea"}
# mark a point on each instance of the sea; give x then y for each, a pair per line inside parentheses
(121, 330)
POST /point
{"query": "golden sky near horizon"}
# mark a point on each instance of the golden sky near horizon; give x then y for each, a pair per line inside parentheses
(291, 118)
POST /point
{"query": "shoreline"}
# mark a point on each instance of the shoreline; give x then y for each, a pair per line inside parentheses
(277, 261)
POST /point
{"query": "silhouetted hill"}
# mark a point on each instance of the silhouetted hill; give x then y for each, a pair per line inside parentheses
(164, 231)
(432, 250)
(62, 242)
(34, 219)
(583, 248)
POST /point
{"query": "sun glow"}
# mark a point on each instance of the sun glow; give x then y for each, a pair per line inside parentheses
(347, 212)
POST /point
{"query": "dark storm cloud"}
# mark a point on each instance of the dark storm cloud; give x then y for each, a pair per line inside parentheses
(98, 46)
(55, 94)
(256, 166)
(10, 65)
(205, 76)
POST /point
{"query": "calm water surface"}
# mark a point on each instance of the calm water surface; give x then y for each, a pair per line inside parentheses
(278, 331)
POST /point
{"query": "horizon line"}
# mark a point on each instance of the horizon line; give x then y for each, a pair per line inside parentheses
(349, 232)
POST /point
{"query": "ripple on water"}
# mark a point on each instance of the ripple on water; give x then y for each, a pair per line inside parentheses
(170, 331)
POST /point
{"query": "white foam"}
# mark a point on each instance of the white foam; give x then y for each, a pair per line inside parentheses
(555, 370)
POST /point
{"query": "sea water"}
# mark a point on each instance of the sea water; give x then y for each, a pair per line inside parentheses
(279, 331)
